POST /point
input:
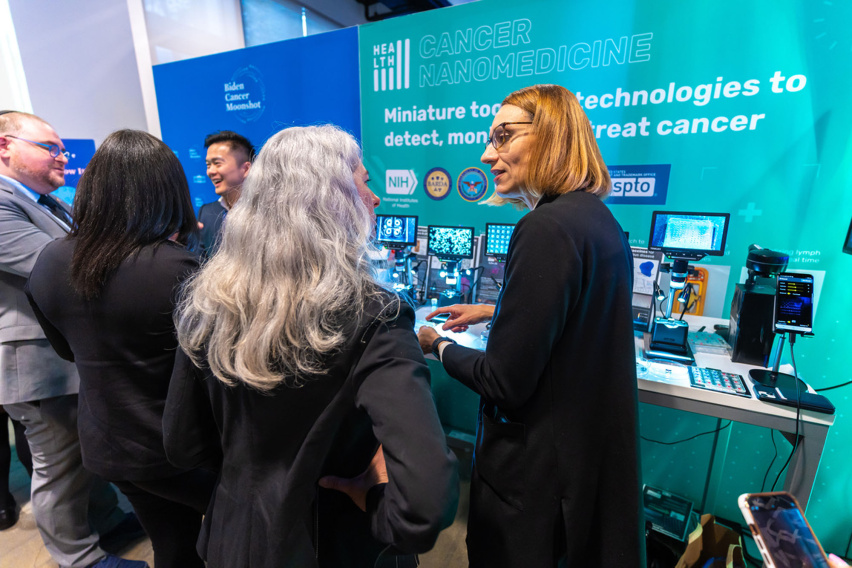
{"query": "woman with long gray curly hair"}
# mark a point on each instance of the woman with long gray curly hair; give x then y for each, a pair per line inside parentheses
(298, 370)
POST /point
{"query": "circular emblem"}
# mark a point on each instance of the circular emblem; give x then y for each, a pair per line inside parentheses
(437, 183)
(245, 95)
(472, 184)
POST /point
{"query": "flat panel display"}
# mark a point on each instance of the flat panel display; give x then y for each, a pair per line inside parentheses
(691, 233)
(450, 243)
(497, 236)
(396, 231)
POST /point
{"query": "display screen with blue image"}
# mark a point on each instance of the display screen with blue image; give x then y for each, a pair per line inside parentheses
(497, 236)
(689, 232)
(450, 243)
(396, 231)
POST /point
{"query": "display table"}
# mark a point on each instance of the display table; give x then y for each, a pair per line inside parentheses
(674, 393)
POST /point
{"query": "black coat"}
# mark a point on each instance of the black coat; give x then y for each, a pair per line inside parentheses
(556, 465)
(272, 448)
(123, 343)
(212, 216)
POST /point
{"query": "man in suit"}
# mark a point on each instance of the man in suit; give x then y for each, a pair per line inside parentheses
(38, 388)
(229, 157)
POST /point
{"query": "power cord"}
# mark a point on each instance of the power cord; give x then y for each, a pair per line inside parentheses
(719, 429)
(798, 412)
(847, 383)
(775, 457)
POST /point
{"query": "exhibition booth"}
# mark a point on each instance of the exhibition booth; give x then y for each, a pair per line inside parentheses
(722, 126)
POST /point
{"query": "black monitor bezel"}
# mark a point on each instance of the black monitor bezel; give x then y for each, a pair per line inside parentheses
(499, 256)
(397, 244)
(689, 253)
(448, 256)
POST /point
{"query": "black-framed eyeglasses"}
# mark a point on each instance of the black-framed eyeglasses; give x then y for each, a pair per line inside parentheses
(500, 135)
(53, 149)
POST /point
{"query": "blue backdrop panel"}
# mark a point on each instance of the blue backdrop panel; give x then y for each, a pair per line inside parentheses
(257, 91)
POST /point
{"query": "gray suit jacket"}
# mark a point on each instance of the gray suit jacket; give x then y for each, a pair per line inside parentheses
(29, 368)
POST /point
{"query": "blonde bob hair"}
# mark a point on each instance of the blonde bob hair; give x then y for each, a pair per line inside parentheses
(565, 155)
(293, 275)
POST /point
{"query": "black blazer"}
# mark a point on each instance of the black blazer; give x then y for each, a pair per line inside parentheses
(123, 344)
(272, 448)
(557, 440)
(211, 215)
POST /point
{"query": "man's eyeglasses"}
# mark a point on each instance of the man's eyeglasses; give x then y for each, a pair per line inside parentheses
(53, 149)
(500, 135)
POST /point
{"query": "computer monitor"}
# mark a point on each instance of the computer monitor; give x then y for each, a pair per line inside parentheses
(450, 243)
(689, 235)
(396, 231)
(497, 237)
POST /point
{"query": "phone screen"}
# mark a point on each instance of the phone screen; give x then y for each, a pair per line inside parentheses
(785, 532)
(794, 300)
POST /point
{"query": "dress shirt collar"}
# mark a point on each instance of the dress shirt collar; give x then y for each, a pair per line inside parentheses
(24, 189)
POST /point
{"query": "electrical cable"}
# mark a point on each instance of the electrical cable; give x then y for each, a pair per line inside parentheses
(687, 439)
(798, 412)
(847, 383)
(775, 457)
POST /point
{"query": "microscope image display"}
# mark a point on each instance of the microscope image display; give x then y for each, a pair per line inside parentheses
(398, 229)
(451, 242)
(689, 232)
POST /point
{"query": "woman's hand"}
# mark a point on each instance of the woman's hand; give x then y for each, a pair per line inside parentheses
(426, 335)
(463, 316)
(357, 487)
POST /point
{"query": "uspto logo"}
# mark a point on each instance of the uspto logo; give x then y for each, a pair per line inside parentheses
(391, 65)
(472, 184)
(633, 187)
(438, 183)
(245, 94)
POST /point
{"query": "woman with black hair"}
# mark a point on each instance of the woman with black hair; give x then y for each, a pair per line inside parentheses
(105, 297)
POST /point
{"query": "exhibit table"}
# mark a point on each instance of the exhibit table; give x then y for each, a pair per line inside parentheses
(674, 391)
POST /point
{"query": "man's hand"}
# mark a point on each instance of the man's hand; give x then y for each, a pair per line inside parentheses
(463, 316)
(426, 335)
(357, 487)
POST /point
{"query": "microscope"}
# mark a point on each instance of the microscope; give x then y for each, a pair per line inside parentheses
(450, 245)
(398, 233)
(683, 238)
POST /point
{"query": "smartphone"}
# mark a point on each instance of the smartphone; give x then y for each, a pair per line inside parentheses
(782, 533)
(794, 302)
(440, 318)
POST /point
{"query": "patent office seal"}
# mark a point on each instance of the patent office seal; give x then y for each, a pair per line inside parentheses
(437, 183)
(472, 184)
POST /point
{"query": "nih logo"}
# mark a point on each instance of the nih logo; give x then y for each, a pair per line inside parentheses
(400, 182)
(642, 185)
(391, 65)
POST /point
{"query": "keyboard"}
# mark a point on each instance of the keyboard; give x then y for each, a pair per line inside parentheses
(717, 381)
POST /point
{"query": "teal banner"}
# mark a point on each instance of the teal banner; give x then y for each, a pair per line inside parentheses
(730, 107)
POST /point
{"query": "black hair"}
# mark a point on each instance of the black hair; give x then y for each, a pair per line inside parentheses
(233, 140)
(133, 194)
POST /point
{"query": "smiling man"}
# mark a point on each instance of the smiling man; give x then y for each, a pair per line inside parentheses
(229, 157)
(37, 387)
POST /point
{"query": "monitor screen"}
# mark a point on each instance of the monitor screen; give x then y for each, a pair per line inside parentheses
(450, 243)
(396, 231)
(689, 233)
(497, 237)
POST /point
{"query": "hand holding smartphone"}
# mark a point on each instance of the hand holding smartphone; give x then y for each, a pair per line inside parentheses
(782, 533)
